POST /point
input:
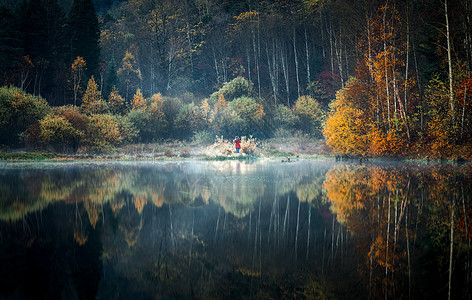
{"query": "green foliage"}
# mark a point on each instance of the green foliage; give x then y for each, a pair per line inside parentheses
(157, 117)
(186, 120)
(285, 118)
(140, 119)
(249, 114)
(191, 118)
(170, 107)
(18, 111)
(236, 88)
(204, 137)
(58, 132)
(310, 114)
(225, 121)
(440, 132)
(128, 131)
(318, 92)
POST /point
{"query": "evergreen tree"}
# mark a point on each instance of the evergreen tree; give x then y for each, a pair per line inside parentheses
(112, 77)
(10, 45)
(84, 34)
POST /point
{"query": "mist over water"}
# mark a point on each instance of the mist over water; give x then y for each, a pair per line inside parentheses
(232, 230)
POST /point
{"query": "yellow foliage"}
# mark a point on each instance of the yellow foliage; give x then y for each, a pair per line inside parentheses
(92, 102)
(346, 133)
(138, 102)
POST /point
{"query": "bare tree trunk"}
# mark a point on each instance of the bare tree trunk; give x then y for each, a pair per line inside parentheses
(449, 60)
(407, 56)
(338, 50)
(271, 69)
(420, 91)
(463, 109)
(322, 35)
(307, 60)
(296, 61)
(285, 72)
(385, 62)
(248, 64)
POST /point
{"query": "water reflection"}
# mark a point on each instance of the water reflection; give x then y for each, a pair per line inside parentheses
(223, 230)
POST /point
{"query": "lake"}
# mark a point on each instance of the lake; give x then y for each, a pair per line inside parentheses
(262, 229)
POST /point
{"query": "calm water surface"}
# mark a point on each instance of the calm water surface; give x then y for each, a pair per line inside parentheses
(235, 230)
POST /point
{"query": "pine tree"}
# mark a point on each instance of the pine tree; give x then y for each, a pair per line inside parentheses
(84, 33)
(112, 77)
(10, 49)
(138, 102)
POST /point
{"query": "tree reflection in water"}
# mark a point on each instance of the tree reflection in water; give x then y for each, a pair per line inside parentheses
(236, 230)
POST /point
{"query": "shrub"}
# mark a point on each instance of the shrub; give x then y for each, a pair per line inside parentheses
(140, 119)
(58, 132)
(250, 115)
(18, 111)
(310, 114)
(185, 120)
(203, 137)
(103, 132)
(236, 88)
(171, 108)
(220, 146)
(72, 114)
(128, 131)
(285, 118)
(249, 145)
(157, 118)
(116, 102)
(192, 118)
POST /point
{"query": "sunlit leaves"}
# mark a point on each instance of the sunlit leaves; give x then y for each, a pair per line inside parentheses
(92, 102)
(103, 132)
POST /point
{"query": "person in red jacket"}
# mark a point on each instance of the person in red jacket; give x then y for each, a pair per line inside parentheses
(237, 143)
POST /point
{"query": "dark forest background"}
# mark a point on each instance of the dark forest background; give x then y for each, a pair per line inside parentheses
(393, 56)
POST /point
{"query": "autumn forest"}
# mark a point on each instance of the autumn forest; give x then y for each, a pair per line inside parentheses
(370, 78)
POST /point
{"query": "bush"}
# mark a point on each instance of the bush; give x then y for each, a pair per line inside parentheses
(171, 108)
(58, 132)
(128, 131)
(18, 111)
(157, 122)
(250, 115)
(310, 115)
(116, 102)
(103, 132)
(236, 88)
(203, 137)
(140, 120)
(191, 118)
(285, 118)
(249, 145)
